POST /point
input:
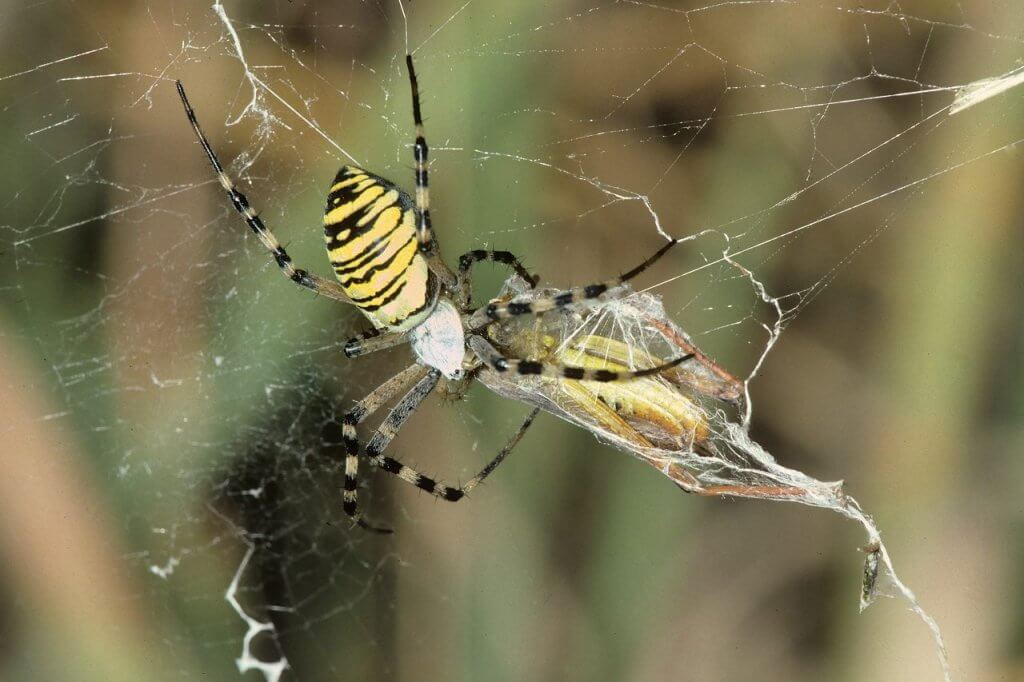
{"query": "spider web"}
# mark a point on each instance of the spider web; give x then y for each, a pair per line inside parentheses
(165, 365)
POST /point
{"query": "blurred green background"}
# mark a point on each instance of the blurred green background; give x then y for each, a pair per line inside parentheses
(170, 402)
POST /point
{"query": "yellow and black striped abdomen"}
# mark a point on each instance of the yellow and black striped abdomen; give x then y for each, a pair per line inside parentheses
(370, 228)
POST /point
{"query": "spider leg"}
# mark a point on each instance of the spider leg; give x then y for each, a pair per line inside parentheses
(373, 341)
(394, 421)
(360, 411)
(493, 464)
(499, 311)
(499, 363)
(281, 257)
(424, 232)
(468, 259)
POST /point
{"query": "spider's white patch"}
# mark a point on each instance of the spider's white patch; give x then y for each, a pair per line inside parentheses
(438, 341)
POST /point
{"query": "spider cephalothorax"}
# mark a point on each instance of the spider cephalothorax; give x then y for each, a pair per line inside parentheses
(387, 263)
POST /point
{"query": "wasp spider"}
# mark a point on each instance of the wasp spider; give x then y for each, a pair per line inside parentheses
(387, 263)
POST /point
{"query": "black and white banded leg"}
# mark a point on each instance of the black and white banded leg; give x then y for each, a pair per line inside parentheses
(424, 231)
(387, 431)
(281, 257)
(373, 341)
(499, 311)
(470, 258)
(490, 356)
(493, 358)
(493, 464)
(363, 409)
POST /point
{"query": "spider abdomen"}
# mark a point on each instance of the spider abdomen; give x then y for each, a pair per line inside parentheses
(370, 232)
